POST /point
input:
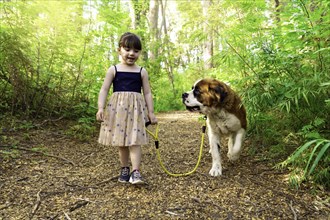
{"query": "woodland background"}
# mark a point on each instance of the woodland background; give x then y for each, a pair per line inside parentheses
(274, 53)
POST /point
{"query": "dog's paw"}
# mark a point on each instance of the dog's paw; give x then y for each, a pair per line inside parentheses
(216, 170)
(233, 157)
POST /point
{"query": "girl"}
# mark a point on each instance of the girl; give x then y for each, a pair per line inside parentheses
(124, 118)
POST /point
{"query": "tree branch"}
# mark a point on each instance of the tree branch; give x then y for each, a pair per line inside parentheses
(42, 153)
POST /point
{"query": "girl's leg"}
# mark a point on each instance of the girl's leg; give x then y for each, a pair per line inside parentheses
(124, 156)
(135, 154)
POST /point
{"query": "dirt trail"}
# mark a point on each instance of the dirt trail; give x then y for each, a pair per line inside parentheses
(79, 181)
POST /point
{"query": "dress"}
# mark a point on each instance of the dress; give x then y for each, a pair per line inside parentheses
(126, 112)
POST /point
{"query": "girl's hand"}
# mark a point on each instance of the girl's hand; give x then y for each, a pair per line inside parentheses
(100, 115)
(152, 118)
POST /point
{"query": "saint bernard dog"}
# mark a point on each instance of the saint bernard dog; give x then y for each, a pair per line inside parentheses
(225, 116)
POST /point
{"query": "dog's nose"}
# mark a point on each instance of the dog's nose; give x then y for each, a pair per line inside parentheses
(184, 96)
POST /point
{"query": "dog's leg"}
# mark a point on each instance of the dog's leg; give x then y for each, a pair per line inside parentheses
(235, 149)
(231, 140)
(214, 141)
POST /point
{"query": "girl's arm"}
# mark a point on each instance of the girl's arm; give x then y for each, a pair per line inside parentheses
(104, 93)
(148, 96)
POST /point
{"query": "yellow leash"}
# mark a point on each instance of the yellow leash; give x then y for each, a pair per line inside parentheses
(155, 137)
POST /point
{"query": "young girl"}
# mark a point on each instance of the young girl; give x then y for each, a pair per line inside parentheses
(124, 118)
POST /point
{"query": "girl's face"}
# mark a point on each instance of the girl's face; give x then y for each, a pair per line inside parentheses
(129, 55)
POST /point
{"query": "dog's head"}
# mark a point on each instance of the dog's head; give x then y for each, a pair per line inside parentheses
(205, 94)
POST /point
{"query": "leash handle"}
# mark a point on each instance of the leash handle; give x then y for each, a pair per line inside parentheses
(203, 129)
(154, 135)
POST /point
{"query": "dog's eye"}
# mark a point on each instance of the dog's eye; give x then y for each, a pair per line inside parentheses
(196, 92)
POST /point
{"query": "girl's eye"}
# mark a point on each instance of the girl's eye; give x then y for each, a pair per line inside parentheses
(136, 51)
(126, 48)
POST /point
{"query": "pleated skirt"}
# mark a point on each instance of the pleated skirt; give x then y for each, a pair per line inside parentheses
(124, 120)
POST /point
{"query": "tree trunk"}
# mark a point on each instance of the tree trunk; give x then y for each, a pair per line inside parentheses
(208, 44)
(168, 63)
(277, 11)
(153, 26)
(132, 14)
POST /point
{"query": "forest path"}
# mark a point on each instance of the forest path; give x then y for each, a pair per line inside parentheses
(79, 180)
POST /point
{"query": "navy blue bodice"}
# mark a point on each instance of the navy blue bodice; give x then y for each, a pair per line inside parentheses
(127, 81)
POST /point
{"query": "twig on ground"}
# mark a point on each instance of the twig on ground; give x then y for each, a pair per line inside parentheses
(99, 165)
(42, 153)
(172, 213)
(78, 205)
(196, 199)
(294, 212)
(73, 185)
(66, 215)
(54, 217)
(107, 180)
(49, 120)
(85, 158)
(36, 206)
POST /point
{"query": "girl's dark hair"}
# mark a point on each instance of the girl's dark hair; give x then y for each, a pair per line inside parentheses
(130, 40)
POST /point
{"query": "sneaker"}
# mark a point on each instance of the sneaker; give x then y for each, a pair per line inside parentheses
(136, 177)
(124, 175)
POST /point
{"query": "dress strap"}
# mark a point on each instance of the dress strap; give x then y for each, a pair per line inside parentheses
(115, 68)
(141, 69)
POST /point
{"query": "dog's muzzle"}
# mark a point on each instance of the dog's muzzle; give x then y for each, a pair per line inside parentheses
(190, 108)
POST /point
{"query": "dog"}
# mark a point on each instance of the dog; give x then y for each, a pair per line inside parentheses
(225, 116)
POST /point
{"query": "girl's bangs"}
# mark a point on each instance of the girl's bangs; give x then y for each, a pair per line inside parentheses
(132, 42)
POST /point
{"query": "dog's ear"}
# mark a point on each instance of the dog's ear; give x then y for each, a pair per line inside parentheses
(221, 93)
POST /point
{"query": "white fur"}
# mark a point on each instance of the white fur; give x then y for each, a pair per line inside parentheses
(226, 124)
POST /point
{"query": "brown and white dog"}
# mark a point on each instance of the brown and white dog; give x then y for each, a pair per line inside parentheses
(225, 116)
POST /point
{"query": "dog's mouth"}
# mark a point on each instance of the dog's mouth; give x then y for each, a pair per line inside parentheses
(193, 108)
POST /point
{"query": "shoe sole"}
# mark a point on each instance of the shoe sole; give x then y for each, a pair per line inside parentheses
(138, 182)
(123, 181)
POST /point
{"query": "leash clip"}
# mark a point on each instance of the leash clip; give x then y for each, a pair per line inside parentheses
(204, 125)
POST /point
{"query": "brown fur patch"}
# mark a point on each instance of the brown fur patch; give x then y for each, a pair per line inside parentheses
(217, 94)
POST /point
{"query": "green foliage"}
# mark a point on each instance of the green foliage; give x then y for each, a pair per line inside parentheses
(40, 149)
(314, 156)
(287, 90)
(54, 57)
(9, 154)
(83, 130)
